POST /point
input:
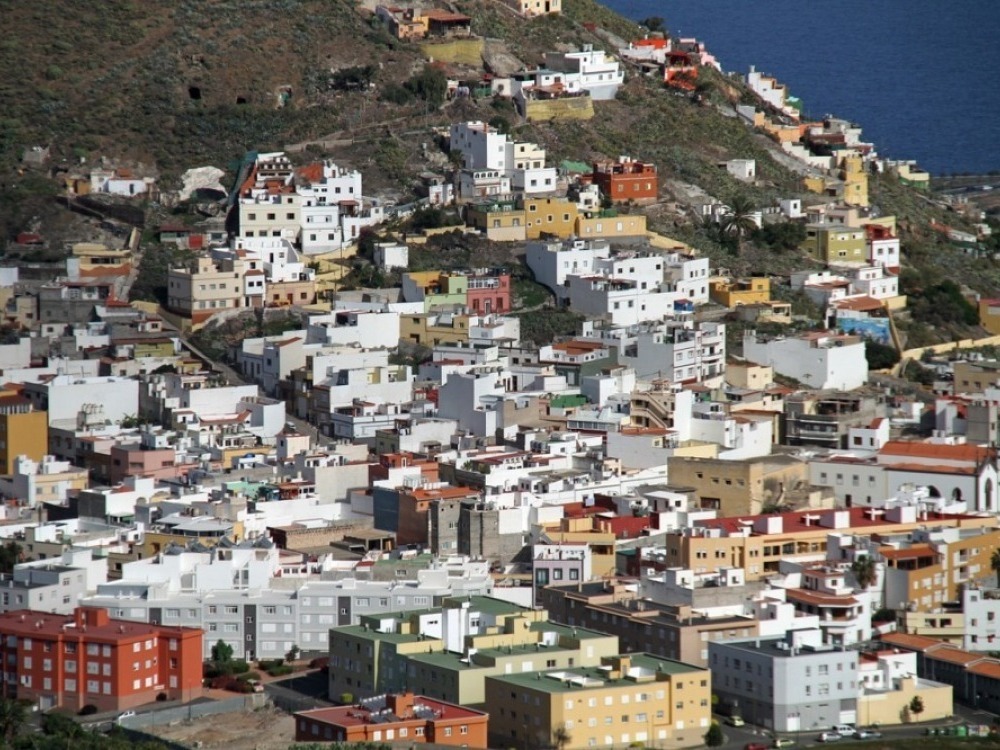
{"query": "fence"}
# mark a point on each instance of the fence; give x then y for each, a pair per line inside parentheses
(195, 711)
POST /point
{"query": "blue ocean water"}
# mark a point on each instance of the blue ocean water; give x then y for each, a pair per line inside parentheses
(922, 77)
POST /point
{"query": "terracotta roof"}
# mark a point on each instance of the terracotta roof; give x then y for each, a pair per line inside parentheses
(917, 550)
(986, 668)
(861, 304)
(917, 449)
(911, 642)
(955, 656)
(819, 599)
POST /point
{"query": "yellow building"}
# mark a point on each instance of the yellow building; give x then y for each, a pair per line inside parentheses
(433, 328)
(852, 172)
(23, 431)
(610, 225)
(449, 651)
(740, 292)
(744, 374)
(96, 259)
(629, 700)
(501, 221)
(583, 531)
(738, 487)
(835, 243)
(757, 544)
(554, 216)
(989, 315)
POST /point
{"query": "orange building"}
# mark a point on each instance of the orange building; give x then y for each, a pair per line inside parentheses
(88, 659)
(627, 180)
(405, 511)
(403, 717)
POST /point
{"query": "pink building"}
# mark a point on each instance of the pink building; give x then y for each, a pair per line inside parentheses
(489, 294)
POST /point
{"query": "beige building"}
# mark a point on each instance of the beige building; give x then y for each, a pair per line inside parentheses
(448, 652)
(633, 699)
(738, 487)
(529, 8)
(209, 288)
(744, 374)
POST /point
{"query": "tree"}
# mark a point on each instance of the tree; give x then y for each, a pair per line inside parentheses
(917, 706)
(995, 564)
(222, 652)
(10, 555)
(714, 736)
(654, 23)
(864, 571)
(293, 653)
(561, 737)
(740, 224)
(13, 714)
(880, 356)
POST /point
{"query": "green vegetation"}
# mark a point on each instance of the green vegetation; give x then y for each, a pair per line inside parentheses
(714, 736)
(10, 555)
(934, 301)
(542, 326)
(58, 731)
(151, 281)
(880, 356)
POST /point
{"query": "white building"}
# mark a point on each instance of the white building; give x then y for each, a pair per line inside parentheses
(742, 169)
(817, 359)
(91, 399)
(589, 70)
(679, 353)
(553, 262)
(389, 255)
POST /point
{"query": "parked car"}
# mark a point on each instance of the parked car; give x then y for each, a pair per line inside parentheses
(844, 730)
(735, 721)
(755, 746)
(124, 715)
(867, 734)
(783, 742)
(829, 737)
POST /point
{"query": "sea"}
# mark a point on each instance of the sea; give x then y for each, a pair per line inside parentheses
(922, 77)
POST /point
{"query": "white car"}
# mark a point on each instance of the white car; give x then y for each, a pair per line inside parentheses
(124, 715)
(830, 737)
(844, 730)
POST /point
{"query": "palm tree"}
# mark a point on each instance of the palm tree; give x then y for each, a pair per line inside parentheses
(740, 224)
(864, 571)
(13, 715)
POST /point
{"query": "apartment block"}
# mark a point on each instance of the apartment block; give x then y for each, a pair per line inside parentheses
(625, 699)
(448, 652)
(23, 431)
(86, 658)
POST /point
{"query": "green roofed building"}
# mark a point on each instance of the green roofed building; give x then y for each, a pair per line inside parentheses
(447, 652)
(625, 700)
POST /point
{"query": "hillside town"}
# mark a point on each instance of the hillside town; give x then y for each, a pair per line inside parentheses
(714, 513)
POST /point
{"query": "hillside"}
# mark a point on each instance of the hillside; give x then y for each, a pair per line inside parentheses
(194, 82)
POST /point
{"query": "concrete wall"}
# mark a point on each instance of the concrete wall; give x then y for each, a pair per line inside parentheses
(462, 51)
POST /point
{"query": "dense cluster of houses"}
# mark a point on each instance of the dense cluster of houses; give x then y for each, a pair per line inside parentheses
(595, 541)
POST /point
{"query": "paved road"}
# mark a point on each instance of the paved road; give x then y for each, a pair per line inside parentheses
(738, 737)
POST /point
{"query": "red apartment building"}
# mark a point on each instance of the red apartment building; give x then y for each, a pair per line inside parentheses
(72, 661)
(627, 180)
(488, 293)
(404, 717)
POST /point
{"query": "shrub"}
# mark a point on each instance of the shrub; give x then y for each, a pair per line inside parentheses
(280, 670)
(320, 662)
(87, 710)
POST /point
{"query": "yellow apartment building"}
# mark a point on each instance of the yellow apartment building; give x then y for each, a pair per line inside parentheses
(740, 291)
(554, 216)
(757, 544)
(628, 700)
(205, 290)
(23, 431)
